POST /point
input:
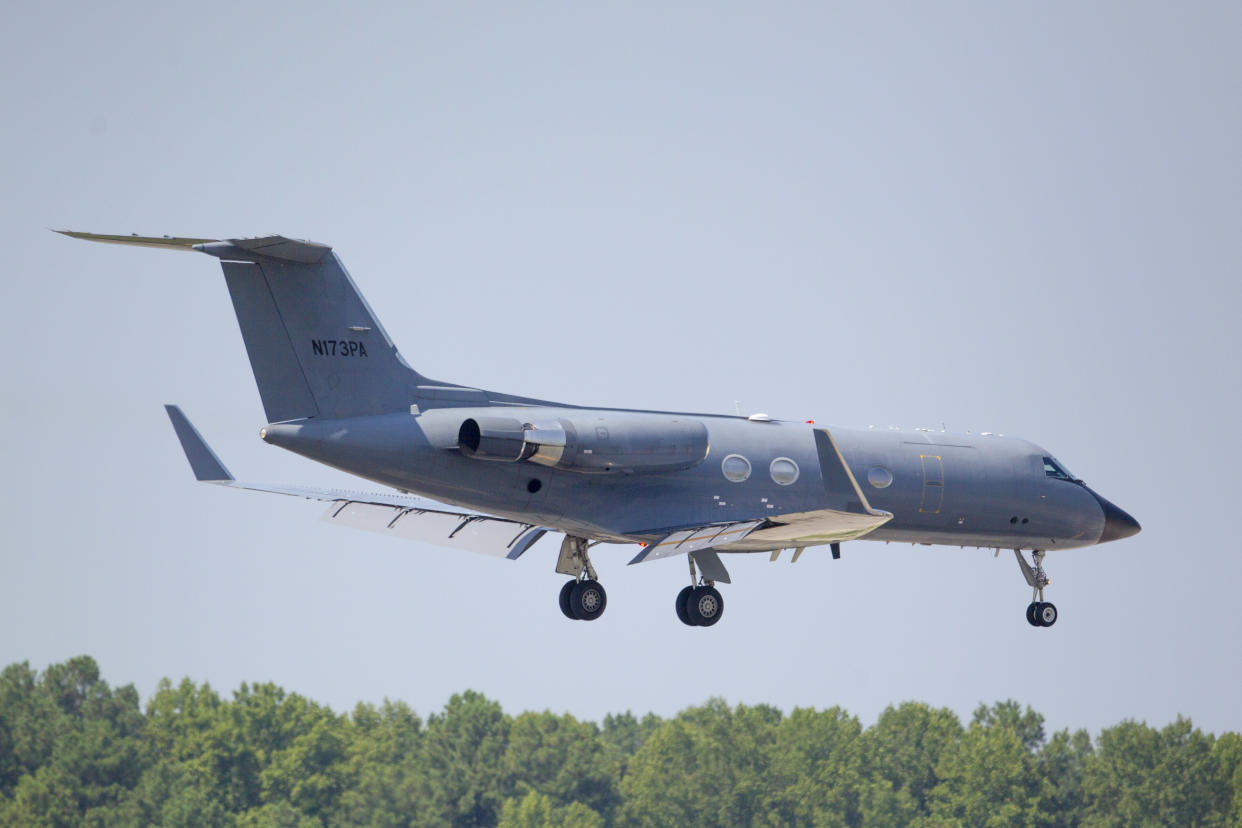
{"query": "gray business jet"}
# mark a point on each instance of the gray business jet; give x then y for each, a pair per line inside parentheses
(505, 470)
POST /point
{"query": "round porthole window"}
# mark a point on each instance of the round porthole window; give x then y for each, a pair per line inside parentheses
(735, 468)
(783, 470)
(880, 477)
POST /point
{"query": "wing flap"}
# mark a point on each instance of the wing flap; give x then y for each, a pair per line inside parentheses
(692, 540)
(486, 535)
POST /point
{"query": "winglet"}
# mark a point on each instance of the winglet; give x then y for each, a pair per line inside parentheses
(202, 459)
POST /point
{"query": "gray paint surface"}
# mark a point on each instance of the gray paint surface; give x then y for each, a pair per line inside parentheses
(1010, 219)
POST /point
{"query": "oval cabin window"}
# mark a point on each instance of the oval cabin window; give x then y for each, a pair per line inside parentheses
(880, 477)
(735, 468)
(783, 470)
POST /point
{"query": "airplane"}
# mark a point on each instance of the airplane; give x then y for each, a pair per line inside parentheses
(493, 473)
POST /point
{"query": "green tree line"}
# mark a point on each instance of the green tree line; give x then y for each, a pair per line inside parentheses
(74, 751)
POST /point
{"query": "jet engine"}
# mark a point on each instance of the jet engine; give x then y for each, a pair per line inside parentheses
(587, 444)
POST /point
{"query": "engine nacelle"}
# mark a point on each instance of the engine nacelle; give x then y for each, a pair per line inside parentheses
(493, 438)
(589, 444)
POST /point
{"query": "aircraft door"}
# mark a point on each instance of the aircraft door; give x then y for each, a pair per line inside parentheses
(933, 484)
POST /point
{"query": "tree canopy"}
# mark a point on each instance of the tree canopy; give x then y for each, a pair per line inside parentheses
(75, 751)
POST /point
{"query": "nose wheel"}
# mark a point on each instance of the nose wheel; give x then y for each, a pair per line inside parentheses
(1039, 613)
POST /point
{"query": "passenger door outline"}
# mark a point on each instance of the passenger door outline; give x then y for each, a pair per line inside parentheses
(933, 484)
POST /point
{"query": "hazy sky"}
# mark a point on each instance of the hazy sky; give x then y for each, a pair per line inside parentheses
(1012, 217)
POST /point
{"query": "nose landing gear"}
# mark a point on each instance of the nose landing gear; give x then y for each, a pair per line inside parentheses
(583, 598)
(1039, 613)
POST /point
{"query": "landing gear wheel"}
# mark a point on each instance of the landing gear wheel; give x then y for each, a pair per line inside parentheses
(564, 599)
(587, 599)
(705, 606)
(1039, 613)
(683, 612)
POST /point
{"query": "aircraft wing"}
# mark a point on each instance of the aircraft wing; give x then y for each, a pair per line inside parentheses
(398, 515)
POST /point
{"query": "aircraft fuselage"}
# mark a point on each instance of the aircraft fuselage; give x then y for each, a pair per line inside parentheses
(953, 489)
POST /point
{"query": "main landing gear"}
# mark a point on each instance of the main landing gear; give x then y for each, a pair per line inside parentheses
(1039, 613)
(583, 598)
(699, 606)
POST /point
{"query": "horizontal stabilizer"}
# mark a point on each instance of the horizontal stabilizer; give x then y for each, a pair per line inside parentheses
(260, 247)
(166, 242)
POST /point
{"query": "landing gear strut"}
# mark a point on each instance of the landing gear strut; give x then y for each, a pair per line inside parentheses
(583, 598)
(1039, 613)
(699, 606)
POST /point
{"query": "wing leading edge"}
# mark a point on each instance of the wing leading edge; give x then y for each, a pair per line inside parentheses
(397, 515)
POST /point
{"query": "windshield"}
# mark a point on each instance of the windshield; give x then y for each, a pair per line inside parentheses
(1054, 469)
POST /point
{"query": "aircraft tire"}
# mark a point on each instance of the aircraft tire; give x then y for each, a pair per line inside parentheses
(588, 600)
(682, 606)
(1046, 614)
(564, 600)
(705, 606)
(1031, 609)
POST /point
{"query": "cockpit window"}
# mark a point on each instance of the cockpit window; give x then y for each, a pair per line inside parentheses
(1054, 469)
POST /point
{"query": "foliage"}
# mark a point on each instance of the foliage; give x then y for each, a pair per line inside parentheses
(74, 751)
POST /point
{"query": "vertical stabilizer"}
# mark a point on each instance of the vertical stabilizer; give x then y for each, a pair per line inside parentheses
(315, 346)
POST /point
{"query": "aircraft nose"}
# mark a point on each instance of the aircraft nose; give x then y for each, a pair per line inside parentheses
(1117, 522)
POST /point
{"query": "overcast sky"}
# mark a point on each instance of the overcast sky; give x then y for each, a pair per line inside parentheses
(1013, 217)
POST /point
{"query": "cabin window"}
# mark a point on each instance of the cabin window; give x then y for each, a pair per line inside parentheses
(784, 471)
(735, 467)
(1054, 469)
(879, 477)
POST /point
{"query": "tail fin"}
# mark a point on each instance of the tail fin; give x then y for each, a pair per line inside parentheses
(314, 344)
